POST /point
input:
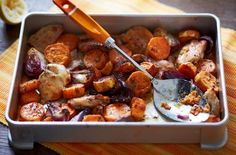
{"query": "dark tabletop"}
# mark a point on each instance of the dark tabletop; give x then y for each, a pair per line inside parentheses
(225, 10)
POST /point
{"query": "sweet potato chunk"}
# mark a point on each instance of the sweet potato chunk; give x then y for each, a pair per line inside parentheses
(29, 86)
(33, 111)
(205, 80)
(105, 84)
(116, 111)
(95, 58)
(138, 107)
(188, 69)
(115, 57)
(107, 69)
(58, 53)
(139, 83)
(70, 40)
(158, 48)
(75, 90)
(93, 118)
(32, 96)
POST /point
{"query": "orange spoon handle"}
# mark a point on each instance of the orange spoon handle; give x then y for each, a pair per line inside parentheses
(90, 26)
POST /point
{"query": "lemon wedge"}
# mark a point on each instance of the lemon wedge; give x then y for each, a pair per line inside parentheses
(12, 11)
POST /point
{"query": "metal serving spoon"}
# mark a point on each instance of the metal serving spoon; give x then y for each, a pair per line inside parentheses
(169, 91)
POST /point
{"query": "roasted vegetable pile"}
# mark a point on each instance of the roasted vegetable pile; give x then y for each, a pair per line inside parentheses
(71, 77)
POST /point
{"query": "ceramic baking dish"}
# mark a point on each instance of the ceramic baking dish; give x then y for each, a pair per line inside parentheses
(208, 135)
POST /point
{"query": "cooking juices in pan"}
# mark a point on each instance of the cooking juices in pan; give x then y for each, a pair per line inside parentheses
(71, 77)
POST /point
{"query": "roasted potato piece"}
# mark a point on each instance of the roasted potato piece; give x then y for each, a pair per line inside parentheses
(115, 57)
(89, 101)
(93, 118)
(33, 111)
(206, 65)
(70, 40)
(213, 101)
(107, 68)
(105, 84)
(139, 83)
(95, 58)
(150, 67)
(32, 96)
(137, 38)
(158, 48)
(76, 90)
(116, 111)
(188, 69)
(58, 53)
(45, 36)
(205, 80)
(138, 107)
(188, 35)
(29, 86)
(192, 52)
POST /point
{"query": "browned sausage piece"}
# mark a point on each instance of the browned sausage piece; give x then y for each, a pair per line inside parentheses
(207, 65)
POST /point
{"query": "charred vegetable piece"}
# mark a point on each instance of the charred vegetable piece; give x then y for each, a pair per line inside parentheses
(32, 96)
(52, 81)
(58, 53)
(138, 107)
(29, 86)
(172, 41)
(34, 63)
(93, 118)
(115, 57)
(150, 67)
(213, 101)
(88, 45)
(188, 35)
(137, 38)
(205, 80)
(207, 65)
(140, 58)
(188, 69)
(105, 84)
(116, 111)
(33, 111)
(192, 52)
(70, 40)
(107, 68)
(95, 58)
(158, 48)
(76, 90)
(89, 101)
(79, 117)
(139, 83)
(45, 36)
(56, 112)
